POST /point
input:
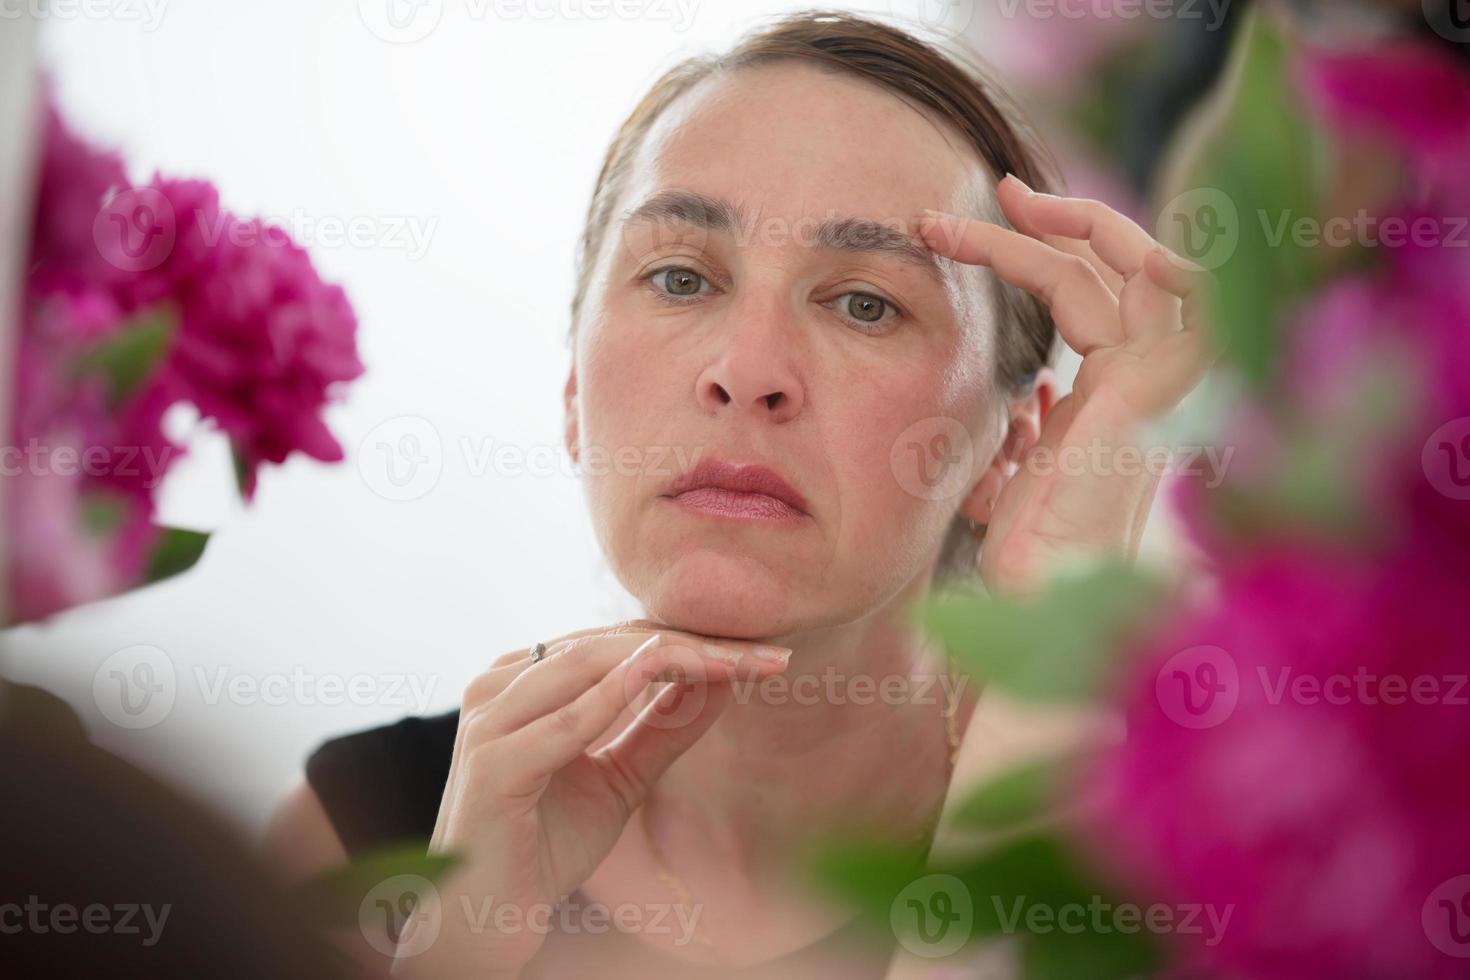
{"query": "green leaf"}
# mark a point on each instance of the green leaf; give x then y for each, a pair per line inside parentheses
(335, 896)
(1017, 796)
(1107, 954)
(242, 470)
(128, 357)
(175, 551)
(1257, 175)
(1058, 647)
(101, 513)
(1032, 888)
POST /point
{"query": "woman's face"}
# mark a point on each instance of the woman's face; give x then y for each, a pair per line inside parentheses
(832, 357)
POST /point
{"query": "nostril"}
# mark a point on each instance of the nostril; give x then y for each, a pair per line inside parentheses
(773, 399)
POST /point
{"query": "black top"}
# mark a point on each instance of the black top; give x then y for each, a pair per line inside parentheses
(384, 785)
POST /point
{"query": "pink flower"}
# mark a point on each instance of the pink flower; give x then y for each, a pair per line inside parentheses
(1318, 799)
(1298, 739)
(1415, 95)
(256, 341)
(75, 181)
(262, 341)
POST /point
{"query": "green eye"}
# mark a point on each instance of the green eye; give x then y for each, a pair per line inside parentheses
(866, 307)
(679, 281)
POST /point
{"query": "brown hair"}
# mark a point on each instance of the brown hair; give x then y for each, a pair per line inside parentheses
(953, 87)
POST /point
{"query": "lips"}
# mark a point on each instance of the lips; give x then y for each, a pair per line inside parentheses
(737, 478)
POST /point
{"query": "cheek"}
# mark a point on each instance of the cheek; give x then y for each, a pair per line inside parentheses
(921, 442)
(625, 448)
(905, 456)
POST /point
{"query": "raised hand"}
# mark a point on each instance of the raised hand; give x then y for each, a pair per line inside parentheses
(1135, 314)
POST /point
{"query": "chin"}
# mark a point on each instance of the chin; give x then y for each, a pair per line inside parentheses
(718, 594)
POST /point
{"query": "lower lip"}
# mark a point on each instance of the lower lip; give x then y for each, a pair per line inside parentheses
(715, 502)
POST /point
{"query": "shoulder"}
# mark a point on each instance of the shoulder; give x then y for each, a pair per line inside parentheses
(383, 784)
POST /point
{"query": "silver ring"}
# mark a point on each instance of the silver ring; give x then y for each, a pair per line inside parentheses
(538, 652)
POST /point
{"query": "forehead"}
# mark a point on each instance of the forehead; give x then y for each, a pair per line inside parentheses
(786, 139)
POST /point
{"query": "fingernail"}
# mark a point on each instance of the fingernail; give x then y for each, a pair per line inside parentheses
(1022, 184)
(722, 654)
(773, 654)
(647, 645)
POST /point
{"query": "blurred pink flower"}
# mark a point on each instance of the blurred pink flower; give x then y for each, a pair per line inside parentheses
(1324, 820)
(73, 182)
(261, 339)
(1054, 47)
(1413, 94)
(257, 343)
(1298, 738)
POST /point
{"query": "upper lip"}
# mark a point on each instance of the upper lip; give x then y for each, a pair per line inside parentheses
(739, 477)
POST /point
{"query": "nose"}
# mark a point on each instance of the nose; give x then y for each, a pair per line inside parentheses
(753, 371)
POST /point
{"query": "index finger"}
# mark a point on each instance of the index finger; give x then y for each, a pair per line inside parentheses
(1115, 238)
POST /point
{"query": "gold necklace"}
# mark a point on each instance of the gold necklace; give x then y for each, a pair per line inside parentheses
(952, 736)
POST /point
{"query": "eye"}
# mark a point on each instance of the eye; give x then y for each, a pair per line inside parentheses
(866, 309)
(677, 282)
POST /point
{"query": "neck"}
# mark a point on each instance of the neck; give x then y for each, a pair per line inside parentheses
(852, 736)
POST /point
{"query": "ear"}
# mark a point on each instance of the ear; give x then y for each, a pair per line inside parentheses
(1023, 428)
(570, 433)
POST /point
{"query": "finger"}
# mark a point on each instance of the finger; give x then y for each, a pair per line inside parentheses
(490, 684)
(507, 668)
(1182, 278)
(1012, 195)
(645, 750)
(554, 740)
(1149, 313)
(1177, 366)
(1085, 310)
(576, 665)
(1116, 239)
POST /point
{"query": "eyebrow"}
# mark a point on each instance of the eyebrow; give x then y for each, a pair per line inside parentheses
(847, 234)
